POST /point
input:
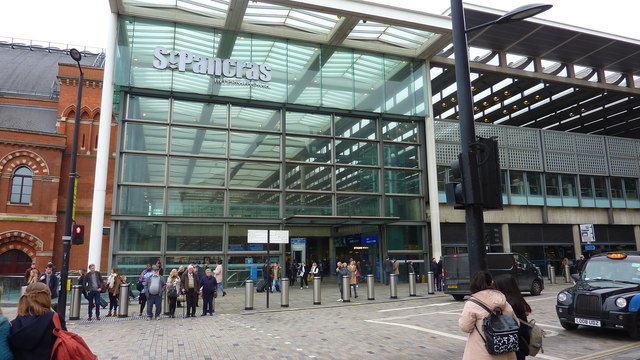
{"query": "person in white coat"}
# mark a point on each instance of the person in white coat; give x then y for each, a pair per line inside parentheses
(218, 272)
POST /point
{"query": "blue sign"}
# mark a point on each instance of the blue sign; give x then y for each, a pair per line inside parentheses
(589, 247)
(298, 241)
(255, 247)
(370, 240)
(352, 240)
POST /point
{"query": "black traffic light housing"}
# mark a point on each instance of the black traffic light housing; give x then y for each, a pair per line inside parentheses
(77, 234)
(490, 174)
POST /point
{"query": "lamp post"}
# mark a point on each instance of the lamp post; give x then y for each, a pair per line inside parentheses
(470, 179)
(70, 206)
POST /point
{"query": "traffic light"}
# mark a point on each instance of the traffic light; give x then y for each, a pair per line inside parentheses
(77, 235)
(454, 191)
(490, 175)
(468, 191)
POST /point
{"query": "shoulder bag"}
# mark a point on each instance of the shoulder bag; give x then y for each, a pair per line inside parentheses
(500, 331)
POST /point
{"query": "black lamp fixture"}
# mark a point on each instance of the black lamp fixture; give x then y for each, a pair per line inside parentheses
(517, 14)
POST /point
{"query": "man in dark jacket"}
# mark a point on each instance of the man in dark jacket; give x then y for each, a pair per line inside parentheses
(209, 287)
(51, 280)
(387, 266)
(190, 286)
(93, 286)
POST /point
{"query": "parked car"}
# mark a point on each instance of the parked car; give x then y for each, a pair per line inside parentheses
(606, 294)
(456, 273)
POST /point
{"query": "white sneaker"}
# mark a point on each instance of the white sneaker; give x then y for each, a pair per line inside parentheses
(339, 299)
(307, 286)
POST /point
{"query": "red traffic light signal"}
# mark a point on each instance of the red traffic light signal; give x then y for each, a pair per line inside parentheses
(77, 235)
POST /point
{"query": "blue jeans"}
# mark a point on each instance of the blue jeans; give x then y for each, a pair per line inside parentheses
(94, 300)
(220, 287)
(151, 300)
(273, 286)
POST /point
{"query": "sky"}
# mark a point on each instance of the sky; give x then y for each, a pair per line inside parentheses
(83, 23)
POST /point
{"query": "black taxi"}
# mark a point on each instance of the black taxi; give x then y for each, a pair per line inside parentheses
(606, 294)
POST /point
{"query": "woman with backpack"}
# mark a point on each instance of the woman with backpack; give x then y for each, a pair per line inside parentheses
(508, 285)
(473, 314)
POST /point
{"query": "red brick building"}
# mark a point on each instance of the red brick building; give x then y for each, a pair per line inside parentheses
(37, 113)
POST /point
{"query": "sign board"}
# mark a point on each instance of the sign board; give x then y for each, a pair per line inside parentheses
(370, 240)
(589, 247)
(586, 233)
(275, 236)
(298, 241)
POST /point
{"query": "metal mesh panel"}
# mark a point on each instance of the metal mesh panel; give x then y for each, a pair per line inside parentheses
(621, 147)
(446, 131)
(523, 138)
(522, 159)
(624, 166)
(560, 162)
(558, 141)
(590, 144)
(489, 131)
(592, 165)
(446, 153)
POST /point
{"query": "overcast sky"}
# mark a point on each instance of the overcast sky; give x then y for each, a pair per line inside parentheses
(83, 22)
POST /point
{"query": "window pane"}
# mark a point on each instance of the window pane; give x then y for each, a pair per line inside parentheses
(195, 202)
(308, 177)
(148, 108)
(353, 127)
(569, 190)
(255, 118)
(356, 152)
(517, 187)
(312, 124)
(404, 208)
(400, 131)
(401, 182)
(145, 169)
(197, 113)
(145, 137)
(254, 175)
(238, 237)
(586, 190)
(404, 237)
(534, 188)
(255, 146)
(132, 266)
(307, 204)
(194, 237)
(198, 141)
(196, 172)
(358, 206)
(140, 236)
(401, 156)
(337, 78)
(141, 201)
(552, 188)
(308, 149)
(630, 192)
(254, 204)
(369, 81)
(357, 180)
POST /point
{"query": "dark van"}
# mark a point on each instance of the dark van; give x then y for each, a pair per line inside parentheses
(456, 273)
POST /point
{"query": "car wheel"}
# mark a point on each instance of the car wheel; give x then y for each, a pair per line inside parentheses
(568, 326)
(458, 297)
(536, 288)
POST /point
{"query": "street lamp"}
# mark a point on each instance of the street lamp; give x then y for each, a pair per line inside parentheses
(470, 178)
(70, 206)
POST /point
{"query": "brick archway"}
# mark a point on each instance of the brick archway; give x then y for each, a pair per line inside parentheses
(35, 162)
(20, 240)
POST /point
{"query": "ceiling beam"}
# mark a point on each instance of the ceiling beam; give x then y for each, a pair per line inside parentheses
(235, 14)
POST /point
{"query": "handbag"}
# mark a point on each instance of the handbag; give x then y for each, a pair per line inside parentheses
(215, 294)
(181, 298)
(535, 337)
(172, 293)
(500, 331)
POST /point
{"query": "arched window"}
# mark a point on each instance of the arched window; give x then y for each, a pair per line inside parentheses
(21, 185)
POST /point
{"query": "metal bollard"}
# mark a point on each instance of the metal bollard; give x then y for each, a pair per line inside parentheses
(123, 301)
(284, 293)
(552, 274)
(549, 271)
(412, 284)
(346, 289)
(370, 291)
(430, 285)
(316, 290)
(393, 286)
(74, 311)
(165, 303)
(248, 295)
(567, 274)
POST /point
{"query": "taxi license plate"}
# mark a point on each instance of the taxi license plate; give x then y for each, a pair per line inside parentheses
(587, 322)
(452, 286)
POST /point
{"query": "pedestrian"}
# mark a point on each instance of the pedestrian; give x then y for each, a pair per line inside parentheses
(396, 268)
(51, 280)
(439, 275)
(358, 271)
(209, 289)
(154, 287)
(473, 315)
(93, 286)
(52, 266)
(565, 262)
(292, 272)
(219, 271)
(5, 329)
(189, 285)
(160, 268)
(27, 273)
(82, 273)
(353, 277)
(31, 336)
(433, 266)
(34, 276)
(315, 271)
(580, 264)
(180, 272)
(276, 277)
(113, 287)
(387, 266)
(144, 275)
(341, 272)
(508, 285)
(173, 289)
(302, 274)
(410, 269)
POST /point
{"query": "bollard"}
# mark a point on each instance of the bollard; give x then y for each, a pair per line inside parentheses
(412, 284)
(248, 295)
(346, 289)
(74, 311)
(123, 301)
(370, 291)
(549, 271)
(393, 286)
(430, 285)
(552, 274)
(316, 290)
(567, 274)
(165, 303)
(284, 293)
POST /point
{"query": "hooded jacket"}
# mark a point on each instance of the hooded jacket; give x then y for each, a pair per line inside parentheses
(31, 336)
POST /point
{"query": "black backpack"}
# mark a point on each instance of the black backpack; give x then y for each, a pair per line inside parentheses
(500, 331)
